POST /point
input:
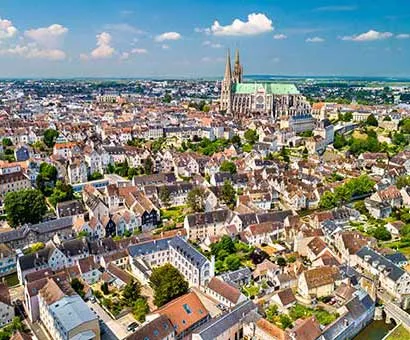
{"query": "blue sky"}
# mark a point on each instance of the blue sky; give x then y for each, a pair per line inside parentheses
(75, 38)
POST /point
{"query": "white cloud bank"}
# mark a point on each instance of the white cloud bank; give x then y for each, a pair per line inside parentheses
(371, 35)
(168, 36)
(257, 23)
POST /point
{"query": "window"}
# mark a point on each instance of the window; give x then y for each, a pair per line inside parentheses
(187, 309)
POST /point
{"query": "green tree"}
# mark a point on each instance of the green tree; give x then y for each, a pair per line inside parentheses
(62, 192)
(228, 166)
(148, 166)
(195, 200)
(236, 140)
(225, 244)
(285, 321)
(131, 292)
(167, 98)
(95, 175)
(372, 121)
(271, 312)
(284, 153)
(382, 234)
(339, 141)
(46, 178)
(281, 261)
(232, 262)
(140, 309)
(50, 137)
(6, 142)
(167, 283)
(105, 289)
(24, 206)
(328, 200)
(78, 286)
(251, 136)
(402, 181)
(165, 196)
(228, 194)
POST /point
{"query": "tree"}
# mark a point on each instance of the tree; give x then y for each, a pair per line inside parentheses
(225, 244)
(62, 192)
(232, 262)
(6, 142)
(24, 206)
(284, 153)
(195, 200)
(167, 98)
(148, 165)
(236, 140)
(78, 286)
(281, 261)
(50, 137)
(105, 289)
(382, 234)
(402, 181)
(131, 292)
(140, 309)
(95, 175)
(228, 166)
(340, 141)
(371, 120)
(251, 136)
(46, 178)
(387, 119)
(167, 283)
(228, 194)
(285, 321)
(271, 312)
(165, 196)
(328, 200)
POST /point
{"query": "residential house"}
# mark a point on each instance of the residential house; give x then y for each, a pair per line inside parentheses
(318, 282)
(6, 307)
(224, 293)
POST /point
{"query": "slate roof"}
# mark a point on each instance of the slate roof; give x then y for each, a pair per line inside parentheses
(217, 326)
(149, 247)
(189, 253)
(158, 329)
(216, 216)
(394, 271)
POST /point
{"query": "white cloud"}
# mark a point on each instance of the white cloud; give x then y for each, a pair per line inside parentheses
(104, 49)
(371, 35)
(139, 51)
(165, 46)
(32, 51)
(123, 28)
(47, 36)
(7, 30)
(403, 36)
(211, 44)
(168, 36)
(257, 23)
(280, 36)
(315, 40)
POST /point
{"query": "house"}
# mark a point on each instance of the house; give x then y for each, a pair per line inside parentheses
(70, 208)
(390, 195)
(89, 270)
(8, 260)
(121, 277)
(348, 243)
(158, 329)
(6, 308)
(65, 314)
(224, 293)
(186, 314)
(283, 281)
(227, 326)
(318, 282)
(316, 248)
(237, 278)
(397, 258)
(306, 329)
(200, 225)
(266, 270)
(262, 233)
(284, 298)
(378, 210)
(22, 154)
(393, 279)
(394, 228)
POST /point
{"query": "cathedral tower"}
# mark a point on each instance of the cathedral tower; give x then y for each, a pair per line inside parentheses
(237, 69)
(226, 88)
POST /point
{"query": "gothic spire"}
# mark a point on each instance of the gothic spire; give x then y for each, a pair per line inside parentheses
(228, 72)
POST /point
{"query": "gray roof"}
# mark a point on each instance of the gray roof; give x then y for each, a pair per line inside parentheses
(236, 276)
(149, 247)
(276, 216)
(215, 327)
(72, 311)
(37, 259)
(210, 217)
(396, 258)
(394, 271)
(189, 253)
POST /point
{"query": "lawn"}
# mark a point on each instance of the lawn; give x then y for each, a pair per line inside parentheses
(175, 214)
(399, 333)
(400, 245)
(325, 318)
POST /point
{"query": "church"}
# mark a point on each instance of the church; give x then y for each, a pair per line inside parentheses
(270, 100)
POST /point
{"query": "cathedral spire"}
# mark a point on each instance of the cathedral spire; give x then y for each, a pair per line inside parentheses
(228, 72)
(237, 57)
(237, 68)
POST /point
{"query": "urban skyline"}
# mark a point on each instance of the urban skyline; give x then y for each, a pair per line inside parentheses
(160, 39)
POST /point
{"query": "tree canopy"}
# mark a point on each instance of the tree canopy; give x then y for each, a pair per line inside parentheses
(228, 194)
(50, 137)
(61, 193)
(195, 200)
(228, 166)
(24, 206)
(251, 136)
(167, 283)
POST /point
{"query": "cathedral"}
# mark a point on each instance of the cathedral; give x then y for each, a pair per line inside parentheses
(267, 99)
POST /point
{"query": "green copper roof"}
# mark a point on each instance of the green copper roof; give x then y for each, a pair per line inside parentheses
(269, 88)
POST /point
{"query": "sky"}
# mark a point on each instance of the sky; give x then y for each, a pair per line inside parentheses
(190, 38)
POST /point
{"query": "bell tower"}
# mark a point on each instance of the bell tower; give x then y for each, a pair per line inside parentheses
(237, 69)
(226, 88)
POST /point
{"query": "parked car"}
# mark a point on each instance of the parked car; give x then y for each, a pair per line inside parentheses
(132, 327)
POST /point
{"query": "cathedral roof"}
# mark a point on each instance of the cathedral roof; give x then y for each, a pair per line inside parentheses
(268, 88)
